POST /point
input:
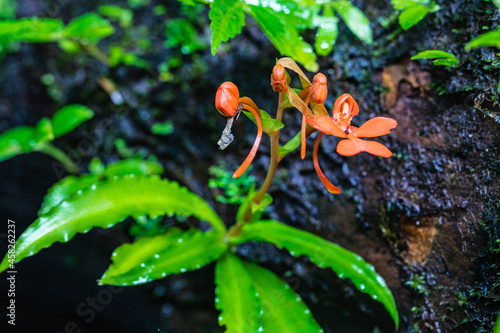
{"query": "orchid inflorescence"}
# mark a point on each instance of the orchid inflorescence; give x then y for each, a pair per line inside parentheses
(309, 101)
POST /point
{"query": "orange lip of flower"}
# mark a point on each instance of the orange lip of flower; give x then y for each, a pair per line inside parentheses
(227, 99)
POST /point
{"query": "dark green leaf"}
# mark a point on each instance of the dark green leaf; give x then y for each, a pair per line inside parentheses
(324, 254)
(412, 15)
(357, 22)
(8, 9)
(89, 27)
(444, 58)
(236, 297)
(69, 117)
(327, 33)
(491, 38)
(283, 36)
(291, 145)
(152, 258)
(109, 202)
(227, 19)
(283, 309)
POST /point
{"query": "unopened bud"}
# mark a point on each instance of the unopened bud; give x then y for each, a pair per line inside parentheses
(227, 99)
(279, 78)
(319, 91)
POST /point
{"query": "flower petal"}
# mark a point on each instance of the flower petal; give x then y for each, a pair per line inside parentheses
(326, 125)
(376, 148)
(376, 127)
(303, 138)
(353, 105)
(246, 163)
(329, 186)
(353, 146)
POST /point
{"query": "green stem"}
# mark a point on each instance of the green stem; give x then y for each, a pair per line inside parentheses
(60, 156)
(94, 51)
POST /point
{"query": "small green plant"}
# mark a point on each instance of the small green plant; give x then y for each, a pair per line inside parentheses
(443, 58)
(413, 11)
(26, 139)
(235, 189)
(251, 298)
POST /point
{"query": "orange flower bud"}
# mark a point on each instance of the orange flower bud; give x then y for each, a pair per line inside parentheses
(227, 99)
(278, 78)
(319, 91)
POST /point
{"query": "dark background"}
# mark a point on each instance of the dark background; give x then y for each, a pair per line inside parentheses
(427, 218)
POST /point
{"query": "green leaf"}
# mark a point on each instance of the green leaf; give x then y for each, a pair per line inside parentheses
(491, 38)
(283, 36)
(327, 33)
(123, 15)
(291, 145)
(444, 58)
(269, 125)
(152, 258)
(69, 117)
(412, 15)
(344, 263)
(90, 28)
(8, 9)
(31, 30)
(283, 309)
(496, 329)
(356, 21)
(133, 166)
(257, 209)
(227, 19)
(109, 202)
(236, 297)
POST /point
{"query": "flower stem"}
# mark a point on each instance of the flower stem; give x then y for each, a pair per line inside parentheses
(60, 156)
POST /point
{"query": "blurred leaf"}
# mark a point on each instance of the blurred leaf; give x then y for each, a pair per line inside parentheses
(123, 15)
(69, 117)
(90, 28)
(283, 309)
(283, 36)
(133, 166)
(443, 58)
(491, 38)
(8, 9)
(291, 145)
(109, 202)
(181, 34)
(356, 21)
(344, 263)
(412, 15)
(164, 128)
(227, 19)
(269, 124)
(69, 46)
(236, 297)
(31, 30)
(152, 258)
(327, 32)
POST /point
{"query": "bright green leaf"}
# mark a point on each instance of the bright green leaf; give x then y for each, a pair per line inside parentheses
(16, 141)
(152, 258)
(236, 297)
(109, 202)
(227, 19)
(133, 166)
(269, 125)
(412, 15)
(491, 38)
(344, 263)
(356, 21)
(123, 15)
(283, 309)
(291, 145)
(444, 58)
(327, 33)
(8, 9)
(69, 117)
(284, 36)
(31, 30)
(257, 209)
(89, 27)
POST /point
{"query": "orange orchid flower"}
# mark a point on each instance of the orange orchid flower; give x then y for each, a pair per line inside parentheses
(229, 103)
(339, 125)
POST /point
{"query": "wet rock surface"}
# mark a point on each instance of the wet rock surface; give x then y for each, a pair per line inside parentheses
(427, 218)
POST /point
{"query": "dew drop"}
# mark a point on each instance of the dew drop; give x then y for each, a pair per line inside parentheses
(374, 296)
(198, 266)
(179, 240)
(114, 254)
(183, 270)
(261, 329)
(297, 299)
(257, 294)
(220, 318)
(362, 287)
(93, 187)
(163, 274)
(307, 311)
(157, 255)
(216, 300)
(143, 264)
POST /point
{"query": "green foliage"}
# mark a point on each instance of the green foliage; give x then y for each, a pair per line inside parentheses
(327, 32)
(413, 11)
(344, 263)
(152, 258)
(442, 57)
(269, 124)
(283, 310)
(8, 9)
(164, 128)
(357, 22)
(31, 30)
(26, 139)
(181, 34)
(256, 209)
(122, 15)
(100, 206)
(497, 325)
(491, 38)
(90, 28)
(235, 189)
(236, 297)
(227, 19)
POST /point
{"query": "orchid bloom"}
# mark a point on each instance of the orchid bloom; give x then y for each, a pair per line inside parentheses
(339, 125)
(229, 103)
